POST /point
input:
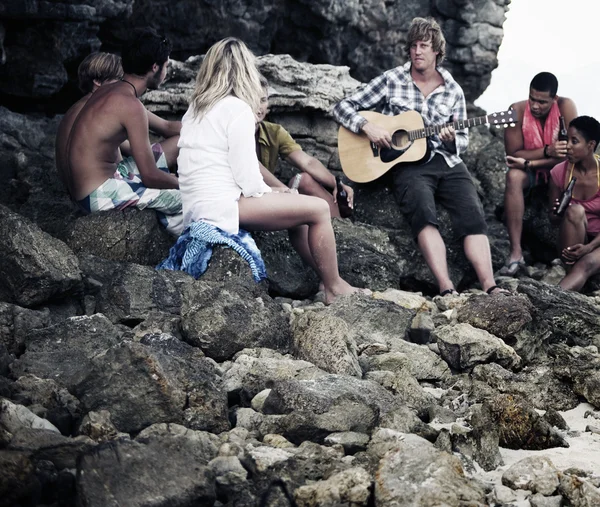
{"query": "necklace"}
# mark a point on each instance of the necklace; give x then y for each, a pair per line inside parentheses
(597, 171)
(134, 90)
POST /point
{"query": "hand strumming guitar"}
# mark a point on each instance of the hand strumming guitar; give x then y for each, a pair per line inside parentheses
(377, 135)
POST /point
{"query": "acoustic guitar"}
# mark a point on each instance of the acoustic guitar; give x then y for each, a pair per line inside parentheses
(362, 161)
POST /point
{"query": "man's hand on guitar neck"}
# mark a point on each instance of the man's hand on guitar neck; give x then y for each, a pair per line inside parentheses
(377, 135)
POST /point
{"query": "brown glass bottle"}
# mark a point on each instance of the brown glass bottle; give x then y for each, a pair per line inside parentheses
(342, 199)
(565, 198)
(562, 129)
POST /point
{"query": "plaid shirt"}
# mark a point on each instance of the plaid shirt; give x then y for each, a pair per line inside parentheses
(395, 92)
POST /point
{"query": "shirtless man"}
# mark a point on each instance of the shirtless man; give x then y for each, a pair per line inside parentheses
(97, 178)
(94, 71)
(532, 149)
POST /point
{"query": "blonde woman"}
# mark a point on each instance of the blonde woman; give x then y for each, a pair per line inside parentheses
(219, 176)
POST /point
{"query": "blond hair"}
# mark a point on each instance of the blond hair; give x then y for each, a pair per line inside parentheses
(228, 68)
(99, 67)
(426, 29)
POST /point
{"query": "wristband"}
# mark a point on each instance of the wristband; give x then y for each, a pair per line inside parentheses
(546, 151)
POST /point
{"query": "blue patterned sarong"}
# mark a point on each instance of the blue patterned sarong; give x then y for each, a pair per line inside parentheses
(193, 250)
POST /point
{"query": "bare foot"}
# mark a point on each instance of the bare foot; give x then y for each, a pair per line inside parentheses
(342, 288)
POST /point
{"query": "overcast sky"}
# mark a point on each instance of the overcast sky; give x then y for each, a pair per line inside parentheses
(558, 36)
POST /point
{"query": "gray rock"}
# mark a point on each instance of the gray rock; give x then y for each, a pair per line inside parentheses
(418, 360)
(539, 500)
(223, 319)
(46, 445)
(539, 384)
(351, 441)
(485, 437)
(36, 267)
(99, 427)
(534, 473)
(571, 317)
(462, 346)
(130, 235)
(160, 379)
(48, 400)
(16, 323)
(328, 404)
(19, 484)
(416, 473)
(581, 367)
(510, 318)
(325, 341)
(15, 417)
(350, 487)
(249, 375)
(405, 420)
(130, 472)
(579, 492)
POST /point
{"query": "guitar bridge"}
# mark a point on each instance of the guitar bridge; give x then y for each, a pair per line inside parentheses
(375, 149)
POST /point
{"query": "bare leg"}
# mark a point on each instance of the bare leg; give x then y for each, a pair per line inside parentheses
(585, 267)
(514, 208)
(274, 212)
(573, 228)
(299, 240)
(309, 186)
(171, 151)
(433, 249)
(477, 250)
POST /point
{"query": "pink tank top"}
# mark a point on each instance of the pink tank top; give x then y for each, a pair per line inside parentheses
(560, 175)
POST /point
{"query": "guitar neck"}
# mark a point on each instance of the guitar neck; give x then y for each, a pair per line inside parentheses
(458, 125)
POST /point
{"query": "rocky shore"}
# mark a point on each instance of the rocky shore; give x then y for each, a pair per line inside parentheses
(123, 385)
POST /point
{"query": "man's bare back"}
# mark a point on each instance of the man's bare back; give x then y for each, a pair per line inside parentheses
(110, 116)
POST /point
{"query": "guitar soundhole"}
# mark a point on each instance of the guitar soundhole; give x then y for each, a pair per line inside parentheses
(400, 140)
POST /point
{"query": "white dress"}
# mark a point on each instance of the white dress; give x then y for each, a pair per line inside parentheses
(217, 163)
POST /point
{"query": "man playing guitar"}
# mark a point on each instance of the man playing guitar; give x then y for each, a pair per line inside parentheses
(422, 85)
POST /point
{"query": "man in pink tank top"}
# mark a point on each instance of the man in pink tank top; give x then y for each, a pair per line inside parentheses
(531, 151)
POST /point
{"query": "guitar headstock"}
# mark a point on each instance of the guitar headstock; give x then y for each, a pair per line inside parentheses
(503, 119)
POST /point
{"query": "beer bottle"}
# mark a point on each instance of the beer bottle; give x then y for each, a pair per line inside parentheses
(565, 198)
(562, 129)
(342, 199)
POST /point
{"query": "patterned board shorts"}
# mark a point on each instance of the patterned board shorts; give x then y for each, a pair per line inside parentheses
(125, 189)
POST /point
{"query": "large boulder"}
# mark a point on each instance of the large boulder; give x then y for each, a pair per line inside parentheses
(36, 267)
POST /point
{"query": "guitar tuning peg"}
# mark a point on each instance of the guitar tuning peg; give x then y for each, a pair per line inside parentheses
(497, 126)
(505, 126)
(512, 125)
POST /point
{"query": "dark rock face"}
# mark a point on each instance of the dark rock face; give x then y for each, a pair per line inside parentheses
(367, 36)
(36, 267)
(111, 473)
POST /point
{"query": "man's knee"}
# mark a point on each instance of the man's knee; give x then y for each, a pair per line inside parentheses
(308, 185)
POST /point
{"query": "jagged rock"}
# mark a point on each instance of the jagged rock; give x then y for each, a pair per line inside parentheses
(129, 293)
(462, 346)
(36, 267)
(224, 318)
(510, 318)
(226, 264)
(581, 367)
(416, 473)
(352, 487)
(249, 375)
(571, 317)
(48, 400)
(418, 360)
(47, 445)
(539, 500)
(485, 438)
(328, 404)
(16, 323)
(405, 388)
(404, 420)
(521, 427)
(579, 492)
(138, 474)
(159, 379)
(351, 441)
(325, 341)
(99, 427)
(64, 352)
(364, 36)
(535, 473)
(538, 384)
(14, 417)
(18, 484)
(128, 235)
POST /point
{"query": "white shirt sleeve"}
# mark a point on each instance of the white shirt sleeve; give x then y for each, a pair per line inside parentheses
(242, 155)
